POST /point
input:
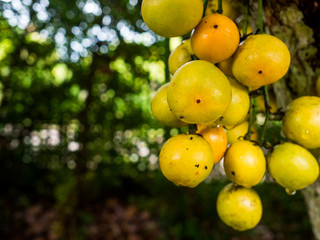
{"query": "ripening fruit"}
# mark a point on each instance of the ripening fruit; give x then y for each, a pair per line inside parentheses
(186, 160)
(239, 207)
(217, 139)
(244, 163)
(238, 109)
(301, 123)
(237, 133)
(199, 92)
(169, 18)
(179, 56)
(226, 66)
(292, 166)
(161, 110)
(260, 60)
(228, 10)
(215, 38)
(272, 103)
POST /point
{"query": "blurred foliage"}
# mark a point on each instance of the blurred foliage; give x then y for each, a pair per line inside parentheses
(76, 79)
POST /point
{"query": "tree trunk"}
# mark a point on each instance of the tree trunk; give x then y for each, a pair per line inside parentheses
(297, 24)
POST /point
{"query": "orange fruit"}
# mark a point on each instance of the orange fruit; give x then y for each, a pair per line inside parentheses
(217, 138)
(215, 39)
(260, 60)
(199, 92)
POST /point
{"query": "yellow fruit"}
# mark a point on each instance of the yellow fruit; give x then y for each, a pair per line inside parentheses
(199, 92)
(178, 57)
(228, 10)
(161, 111)
(237, 133)
(292, 166)
(239, 107)
(217, 139)
(249, 30)
(226, 66)
(272, 103)
(244, 163)
(215, 39)
(169, 18)
(186, 160)
(260, 60)
(301, 122)
(239, 207)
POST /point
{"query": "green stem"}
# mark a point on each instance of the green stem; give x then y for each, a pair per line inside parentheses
(251, 115)
(245, 21)
(260, 16)
(205, 4)
(267, 107)
(220, 6)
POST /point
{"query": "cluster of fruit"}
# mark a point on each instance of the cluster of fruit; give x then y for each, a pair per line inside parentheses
(214, 99)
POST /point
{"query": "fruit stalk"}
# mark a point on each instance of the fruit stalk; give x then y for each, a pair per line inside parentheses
(220, 6)
(251, 114)
(245, 21)
(205, 4)
(267, 107)
(260, 18)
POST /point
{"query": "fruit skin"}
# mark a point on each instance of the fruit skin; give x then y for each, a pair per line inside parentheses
(292, 166)
(238, 109)
(301, 123)
(215, 39)
(239, 207)
(186, 160)
(237, 133)
(161, 110)
(178, 57)
(199, 92)
(228, 10)
(217, 138)
(260, 60)
(226, 66)
(244, 163)
(169, 18)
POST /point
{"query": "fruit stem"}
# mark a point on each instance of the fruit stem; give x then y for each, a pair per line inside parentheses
(193, 128)
(267, 107)
(220, 6)
(205, 5)
(260, 17)
(245, 21)
(251, 114)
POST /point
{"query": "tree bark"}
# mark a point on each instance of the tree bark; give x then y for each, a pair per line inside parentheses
(297, 24)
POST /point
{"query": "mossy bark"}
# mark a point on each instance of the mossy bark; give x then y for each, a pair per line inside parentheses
(297, 24)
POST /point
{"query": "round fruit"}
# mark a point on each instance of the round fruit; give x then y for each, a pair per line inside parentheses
(272, 103)
(239, 207)
(186, 160)
(215, 39)
(228, 10)
(161, 111)
(217, 138)
(226, 66)
(244, 163)
(199, 92)
(169, 18)
(178, 57)
(292, 166)
(301, 122)
(260, 60)
(237, 133)
(239, 107)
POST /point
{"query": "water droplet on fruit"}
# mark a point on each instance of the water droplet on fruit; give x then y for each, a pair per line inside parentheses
(290, 192)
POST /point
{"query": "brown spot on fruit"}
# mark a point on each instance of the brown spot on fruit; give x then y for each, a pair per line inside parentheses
(191, 138)
(197, 165)
(205, 167)
(197, 173)
(260, 72)
(198, 101)
(181, 117)
(233, 173)
(215, 26)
